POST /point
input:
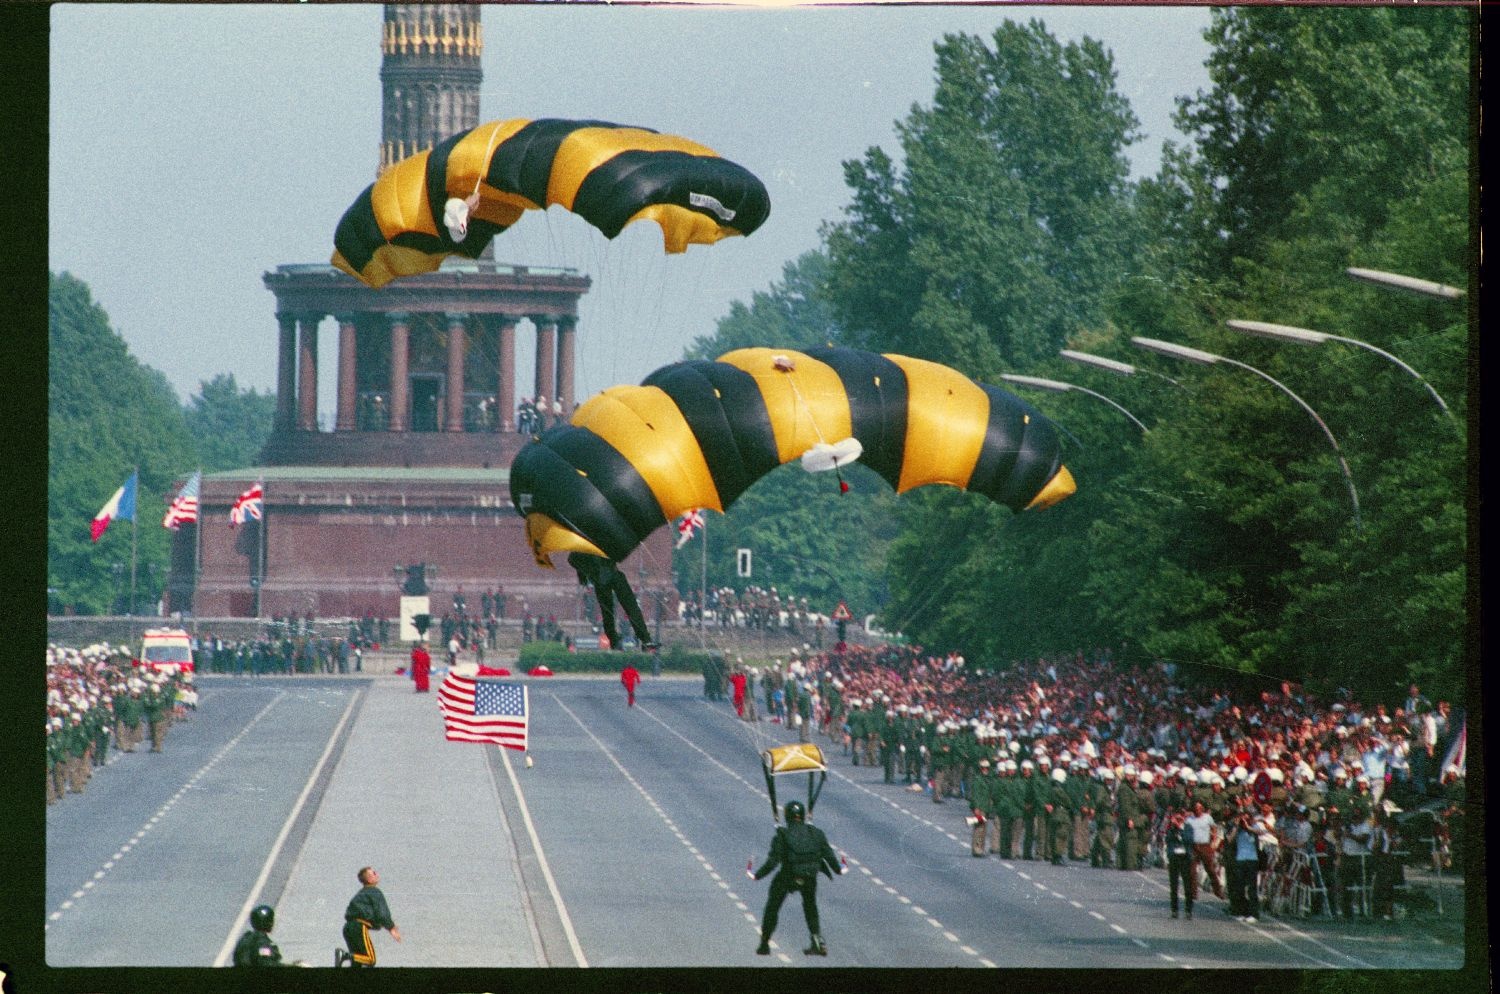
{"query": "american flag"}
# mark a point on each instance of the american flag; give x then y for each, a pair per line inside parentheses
(688, 525)
(185, 505)
(248, 505)
(484, 711)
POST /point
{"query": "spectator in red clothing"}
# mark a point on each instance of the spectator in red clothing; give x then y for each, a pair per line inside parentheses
(737, 680)
(421, 667)
(630, 676)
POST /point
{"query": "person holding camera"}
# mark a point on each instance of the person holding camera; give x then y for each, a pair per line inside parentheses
(1243, 848)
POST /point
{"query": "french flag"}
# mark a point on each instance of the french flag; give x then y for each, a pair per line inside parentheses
(121, 505)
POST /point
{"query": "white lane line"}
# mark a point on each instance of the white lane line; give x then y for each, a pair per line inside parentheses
(1095, 914)
(223, 750)
(1117, 928)
(1313, 940)
(1140, 943)
(541, 859)
(238, 925)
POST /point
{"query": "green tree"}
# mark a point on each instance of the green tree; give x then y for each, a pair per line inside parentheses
(1008, 220)
(1274, 132)
(106, 414)
(807, 539)
(229, 426)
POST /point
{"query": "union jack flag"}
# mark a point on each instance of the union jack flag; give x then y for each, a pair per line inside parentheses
(688, 526)
(184, 506)
(248, 505)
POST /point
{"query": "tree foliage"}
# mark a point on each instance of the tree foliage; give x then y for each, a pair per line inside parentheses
(1227, 535)
(107, 415)
(996, 238)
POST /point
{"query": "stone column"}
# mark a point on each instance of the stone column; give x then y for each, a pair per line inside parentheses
(400, 388)
(307, 372)
(546, 358)
(286, 373)
(345, 420)
(566, 328)
(507, 393)
(456, 338)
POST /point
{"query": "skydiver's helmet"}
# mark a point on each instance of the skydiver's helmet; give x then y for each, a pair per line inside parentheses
(262, 917)
(795, 812)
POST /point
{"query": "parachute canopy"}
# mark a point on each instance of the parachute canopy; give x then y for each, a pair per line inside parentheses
(697, 434)
(798, 757)
(455, 197)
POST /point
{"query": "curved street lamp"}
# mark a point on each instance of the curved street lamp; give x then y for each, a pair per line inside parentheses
(1060, 387)
(1304, 336)
(1210, 359)
(1410, 284)
(1113, 365)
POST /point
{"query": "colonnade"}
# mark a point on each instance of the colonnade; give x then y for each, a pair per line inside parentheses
(297, 367)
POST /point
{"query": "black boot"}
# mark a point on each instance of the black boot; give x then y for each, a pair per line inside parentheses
(764, 949)
(817, 947)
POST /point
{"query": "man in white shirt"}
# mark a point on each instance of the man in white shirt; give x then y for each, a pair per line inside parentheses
(1205, 839)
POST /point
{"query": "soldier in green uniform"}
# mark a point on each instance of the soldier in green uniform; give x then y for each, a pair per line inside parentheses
(1059, 815)
(1130, 815)
(942, 764)
(55, 754)
(801, 852)
(1102, 803)
(1009, 807)
(1041, 792)
(856, 728)
(804, 711)
(157, 704)
(1077, 786)
(367, 910)
(910, 745)
(890, 741)
(979, 808)
(874, 725)
(255, 948)
(1026, 793)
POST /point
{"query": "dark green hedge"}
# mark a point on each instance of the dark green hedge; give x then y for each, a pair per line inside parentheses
(674, 659)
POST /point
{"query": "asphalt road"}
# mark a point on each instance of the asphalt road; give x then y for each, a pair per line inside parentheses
(624, 844)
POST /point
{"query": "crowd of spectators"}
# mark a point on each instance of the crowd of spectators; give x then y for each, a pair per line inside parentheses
(1335, 781)
(97, 702)
(757, 608)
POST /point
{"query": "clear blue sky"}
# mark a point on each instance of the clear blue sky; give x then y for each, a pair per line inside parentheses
(195, 147)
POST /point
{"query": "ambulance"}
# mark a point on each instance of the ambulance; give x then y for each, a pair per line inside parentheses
(166, 649)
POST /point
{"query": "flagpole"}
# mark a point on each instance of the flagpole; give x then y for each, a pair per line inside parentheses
(261, 528)
(134, 515)
(197, 548)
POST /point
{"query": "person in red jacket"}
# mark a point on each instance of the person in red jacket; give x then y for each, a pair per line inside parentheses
(421, 666)
(737, 680)
(630, 676)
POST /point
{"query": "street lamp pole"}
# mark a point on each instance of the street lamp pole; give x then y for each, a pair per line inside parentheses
(1113, 365)
(1410, 284)
(1305, 336)
(1209, 359)
(1058, 386)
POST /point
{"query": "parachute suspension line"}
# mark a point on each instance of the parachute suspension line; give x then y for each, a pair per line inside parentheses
(479, 173)
(790, 370)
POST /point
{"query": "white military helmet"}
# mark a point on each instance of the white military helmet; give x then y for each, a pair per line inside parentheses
(1147, 776)
(1059, 774)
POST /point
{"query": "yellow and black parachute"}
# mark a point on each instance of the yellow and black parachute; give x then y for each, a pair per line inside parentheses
(697, 434)
(455, 197)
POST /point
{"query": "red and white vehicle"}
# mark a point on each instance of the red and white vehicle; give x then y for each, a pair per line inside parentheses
(166, 649)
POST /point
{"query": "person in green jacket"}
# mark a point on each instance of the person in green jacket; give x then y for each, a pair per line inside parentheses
(1059, 809)
(1007, 794)
(367, 910)
(980, 805)
(1102, 801)
(1130, 818)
